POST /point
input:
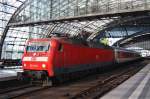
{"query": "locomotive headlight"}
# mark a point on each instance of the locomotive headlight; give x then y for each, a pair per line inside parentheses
(25, 65)
(43, 66)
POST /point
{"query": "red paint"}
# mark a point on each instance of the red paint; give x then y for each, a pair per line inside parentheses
(67, 55)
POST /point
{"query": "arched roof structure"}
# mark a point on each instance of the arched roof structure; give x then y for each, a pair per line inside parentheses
(7, 9)
(40, 18)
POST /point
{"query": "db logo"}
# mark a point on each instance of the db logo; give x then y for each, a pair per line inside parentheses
(33, 58)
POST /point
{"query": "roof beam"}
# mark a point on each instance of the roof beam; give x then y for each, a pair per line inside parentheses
(81, 18)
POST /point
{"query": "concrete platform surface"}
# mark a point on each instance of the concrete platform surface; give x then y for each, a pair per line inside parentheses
(8, 74)
(137, 87)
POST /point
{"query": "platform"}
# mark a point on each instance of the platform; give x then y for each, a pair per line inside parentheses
(8, 74)
(137, 87)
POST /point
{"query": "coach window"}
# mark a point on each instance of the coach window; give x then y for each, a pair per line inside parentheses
(60, 47)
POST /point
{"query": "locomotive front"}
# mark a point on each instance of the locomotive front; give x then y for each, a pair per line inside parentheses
(36, 60)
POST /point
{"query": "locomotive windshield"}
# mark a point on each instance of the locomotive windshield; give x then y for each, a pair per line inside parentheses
(38, 47)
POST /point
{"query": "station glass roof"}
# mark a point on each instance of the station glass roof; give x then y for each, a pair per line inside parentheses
(30, 11)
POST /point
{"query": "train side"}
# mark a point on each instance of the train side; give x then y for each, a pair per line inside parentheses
(73, 57)
(123, 55)
(65, 56)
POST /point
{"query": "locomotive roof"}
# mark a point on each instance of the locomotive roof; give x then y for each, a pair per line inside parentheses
(81, 42)
(74, 41)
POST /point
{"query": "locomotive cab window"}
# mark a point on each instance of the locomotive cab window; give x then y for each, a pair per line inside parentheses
(38, 47)
(60, 47)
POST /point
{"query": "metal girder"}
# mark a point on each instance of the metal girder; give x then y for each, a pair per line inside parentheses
(116, 23)
(2, 39)
(8, 5)
(81, 18)
(6, 12)
(135, 36)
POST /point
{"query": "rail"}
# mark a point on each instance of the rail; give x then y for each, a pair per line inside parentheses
(91, 87)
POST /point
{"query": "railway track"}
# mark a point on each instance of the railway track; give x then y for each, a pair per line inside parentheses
(14, 88)
(90, 87)
(7, 90)
(104, 86)
(11, 93)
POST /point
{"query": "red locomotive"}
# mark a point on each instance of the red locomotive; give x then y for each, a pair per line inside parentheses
(48, 58)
